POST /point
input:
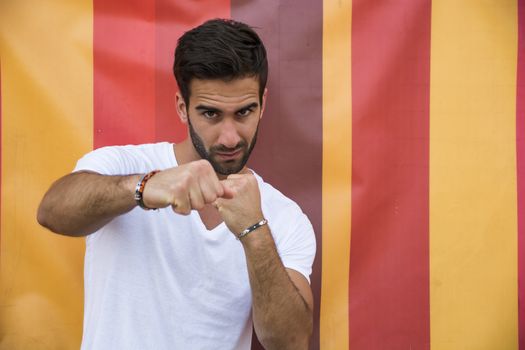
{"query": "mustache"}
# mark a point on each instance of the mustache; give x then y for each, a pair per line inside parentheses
(222, 148)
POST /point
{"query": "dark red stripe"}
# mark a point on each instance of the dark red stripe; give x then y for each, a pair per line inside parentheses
(520, 145)
(173, 19)
(389, 260)
(124, 72)
(289, 148)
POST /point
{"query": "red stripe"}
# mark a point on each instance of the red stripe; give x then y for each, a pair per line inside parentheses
(124, 72)
(173, 19)
(520, 137)
(134, 86)
(389, 259)
(289, 148)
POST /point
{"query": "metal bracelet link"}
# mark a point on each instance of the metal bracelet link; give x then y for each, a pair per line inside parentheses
(252, 228)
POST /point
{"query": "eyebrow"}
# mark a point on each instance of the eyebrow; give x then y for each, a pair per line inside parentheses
(216, 110)
(248, 106)
(207, 108)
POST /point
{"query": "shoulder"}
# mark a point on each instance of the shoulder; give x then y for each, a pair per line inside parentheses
(280, 209)
(273, 198)
(141, 149)
(128, 159)
(290, 227)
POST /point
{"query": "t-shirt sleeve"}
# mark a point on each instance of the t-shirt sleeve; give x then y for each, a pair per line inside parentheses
(296, 244)
(111, 160)
(105, 160)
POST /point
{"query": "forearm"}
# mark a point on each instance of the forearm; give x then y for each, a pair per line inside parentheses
(80, 203)
(282, 317)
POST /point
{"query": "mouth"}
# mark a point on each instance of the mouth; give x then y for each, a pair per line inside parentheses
(229, 156)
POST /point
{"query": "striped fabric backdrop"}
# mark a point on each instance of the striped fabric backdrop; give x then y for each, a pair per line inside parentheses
(398, 126)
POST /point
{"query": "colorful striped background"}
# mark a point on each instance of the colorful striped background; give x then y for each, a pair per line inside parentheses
(398, 126)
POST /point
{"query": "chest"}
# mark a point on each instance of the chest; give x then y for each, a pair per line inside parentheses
(193, 250)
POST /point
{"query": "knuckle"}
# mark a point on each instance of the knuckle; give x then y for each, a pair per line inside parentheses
(251, 179)
(210, 197)
(197, 203)
(182, 210)
(178, 188)
(202, 165)
(198, 206)
(208, 168)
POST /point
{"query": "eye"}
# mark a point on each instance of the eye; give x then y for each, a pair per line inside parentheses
(245, 112)
(210, 114)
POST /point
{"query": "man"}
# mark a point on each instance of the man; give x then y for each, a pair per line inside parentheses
(222, 250)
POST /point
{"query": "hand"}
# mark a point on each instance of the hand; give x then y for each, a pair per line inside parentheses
(243, 209)
(186, 187)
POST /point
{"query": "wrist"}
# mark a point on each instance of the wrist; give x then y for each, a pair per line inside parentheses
(252, 228)
(127, 186)
(139, 190)
(258, 239)
(242, 221)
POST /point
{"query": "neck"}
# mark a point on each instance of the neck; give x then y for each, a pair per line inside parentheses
(185, 153)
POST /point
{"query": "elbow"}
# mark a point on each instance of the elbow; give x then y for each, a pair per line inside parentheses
(292, 342)
(292, 339)
(51, 219)
(43, 217)
(47, 219)
(288, 335)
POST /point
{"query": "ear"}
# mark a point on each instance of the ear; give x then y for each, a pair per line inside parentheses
(182, 110)
(263, 107)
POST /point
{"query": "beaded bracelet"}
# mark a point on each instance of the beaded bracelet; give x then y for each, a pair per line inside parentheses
(252, 228)
(139, 189)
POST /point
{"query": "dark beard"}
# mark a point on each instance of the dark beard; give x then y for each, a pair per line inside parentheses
(230, 167)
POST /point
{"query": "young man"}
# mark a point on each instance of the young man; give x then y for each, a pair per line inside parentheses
(224, 251)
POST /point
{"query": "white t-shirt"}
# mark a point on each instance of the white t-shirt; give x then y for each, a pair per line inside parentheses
(159, 280)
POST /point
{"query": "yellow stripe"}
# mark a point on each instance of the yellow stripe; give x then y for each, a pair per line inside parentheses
(473, 230)
(47, 112)
(337, 152)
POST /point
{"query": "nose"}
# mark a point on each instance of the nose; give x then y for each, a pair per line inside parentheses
(229, 136)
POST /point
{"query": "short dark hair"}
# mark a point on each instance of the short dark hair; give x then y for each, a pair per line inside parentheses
(219, 49)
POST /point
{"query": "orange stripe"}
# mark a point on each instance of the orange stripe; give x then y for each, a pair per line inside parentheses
(0, 160)
(520, 145)
(337, 174)
(473, 209)
(46, 125)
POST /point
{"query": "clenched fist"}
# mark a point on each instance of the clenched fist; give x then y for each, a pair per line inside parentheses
(242, 207)
(186, 187)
